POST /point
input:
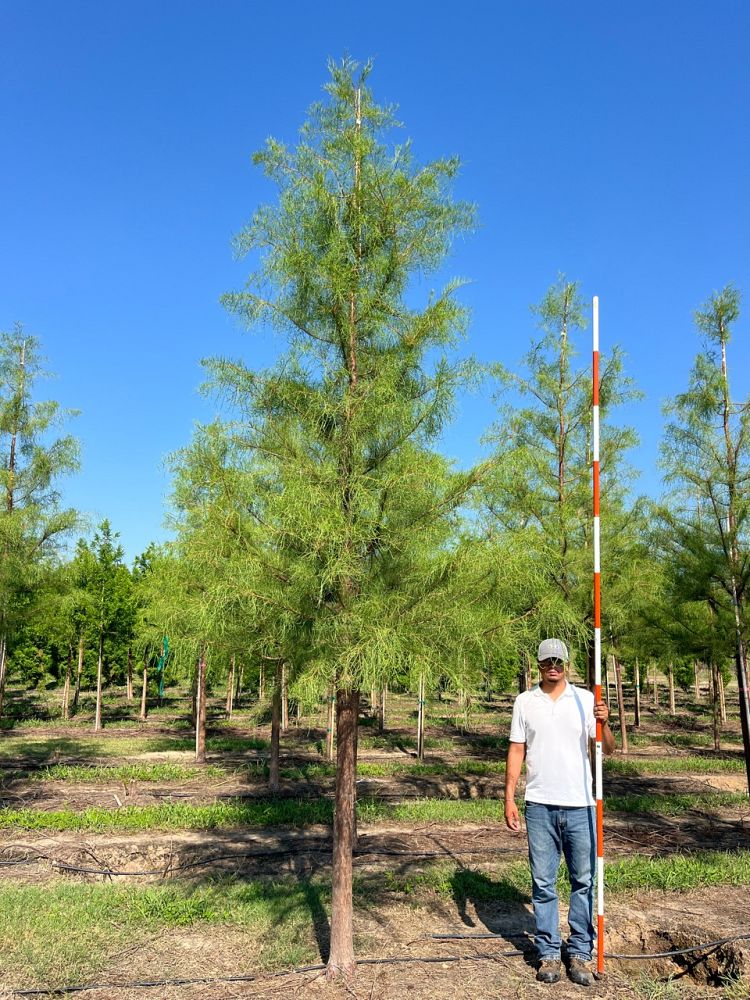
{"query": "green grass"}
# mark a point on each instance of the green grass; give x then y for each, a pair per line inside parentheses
(303, 812)
(93, 773)
(61, 934)
(674, 765)
(512, 882)
(42, 748)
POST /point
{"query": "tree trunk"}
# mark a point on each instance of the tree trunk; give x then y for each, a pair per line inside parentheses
(717, 709)
(129, 681)
(3, 669)
(672, 709)
(696, 681)
(200, 712)
(238, 692)
(284, 699)
(261, 683)
(381, 708)
(230, 688)
(722, 699)
(330, 715)
(99, 680)
(144, 691)
(637, 685)
(621, 706)
(373, 701)
(273, 764)
(420, 719)
(341, 958)
(79, 671)
(656, 689)
(66, 685)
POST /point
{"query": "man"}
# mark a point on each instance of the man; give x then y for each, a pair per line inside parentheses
(551, 727)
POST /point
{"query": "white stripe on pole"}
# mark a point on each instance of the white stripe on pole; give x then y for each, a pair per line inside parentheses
(596, 322)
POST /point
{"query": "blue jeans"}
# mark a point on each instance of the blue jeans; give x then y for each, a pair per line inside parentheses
(552, 832)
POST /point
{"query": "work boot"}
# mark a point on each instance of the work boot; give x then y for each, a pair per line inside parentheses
(580, 972)
(549, 970)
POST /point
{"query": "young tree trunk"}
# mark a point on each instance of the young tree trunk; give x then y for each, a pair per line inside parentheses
(3, 669)
(381, 708)
(341, 958)
(330, 715)
(722, 700)
(238, 692)
(129, 681)
(656, 689)
(696, 680)
(144, 691)
(716, 706)
(66, 685)
(79, 671)
(273, 764)
(420, 719)
(200, 711)
(608, 685)
(284, 699)
(621, 706)
(230, 688)
(637, 685)
(672, 709)
(373, 701)
(99, 682)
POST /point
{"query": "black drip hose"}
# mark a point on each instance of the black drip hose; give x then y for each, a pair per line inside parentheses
(397, 960)
(607, 954)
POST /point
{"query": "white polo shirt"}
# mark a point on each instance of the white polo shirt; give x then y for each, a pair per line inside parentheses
(556, 734)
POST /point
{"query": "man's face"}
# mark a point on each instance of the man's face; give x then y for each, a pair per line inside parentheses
(552, 669)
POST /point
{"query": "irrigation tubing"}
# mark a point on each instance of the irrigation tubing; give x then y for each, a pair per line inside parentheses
(396, 960)
(287, 852)
(608, 954)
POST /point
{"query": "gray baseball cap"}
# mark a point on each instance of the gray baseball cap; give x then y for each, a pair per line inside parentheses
(552, 649)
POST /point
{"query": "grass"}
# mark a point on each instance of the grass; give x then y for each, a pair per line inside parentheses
(674, 765)
(512, 882)
(93, 773)
(90, 925)
(41, 748)
(304, 812)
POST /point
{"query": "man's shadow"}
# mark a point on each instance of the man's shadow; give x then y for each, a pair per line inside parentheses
(495, 906)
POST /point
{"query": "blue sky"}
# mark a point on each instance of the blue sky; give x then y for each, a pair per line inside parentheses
(608, 141)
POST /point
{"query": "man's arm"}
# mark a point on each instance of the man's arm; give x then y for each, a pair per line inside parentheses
(516, 754)
(601, 712)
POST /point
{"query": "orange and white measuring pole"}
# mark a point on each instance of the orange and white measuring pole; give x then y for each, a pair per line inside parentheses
(598, 657)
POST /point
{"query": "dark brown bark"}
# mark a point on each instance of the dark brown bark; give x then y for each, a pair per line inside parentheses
(273, 764)
(621, 707)
(341, 958)
(99, 684)
(200, 712)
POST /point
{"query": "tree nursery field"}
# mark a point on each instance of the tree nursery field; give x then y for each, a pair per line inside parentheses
(125, 862)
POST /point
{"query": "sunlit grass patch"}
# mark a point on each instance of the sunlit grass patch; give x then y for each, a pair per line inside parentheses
(674, 765)
(62, 934)
(94, 773)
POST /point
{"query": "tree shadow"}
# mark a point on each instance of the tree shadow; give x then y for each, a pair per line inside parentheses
(312, 893)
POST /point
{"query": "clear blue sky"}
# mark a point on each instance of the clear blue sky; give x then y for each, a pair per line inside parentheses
(608, 141)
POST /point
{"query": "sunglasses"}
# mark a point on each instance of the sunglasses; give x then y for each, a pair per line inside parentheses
(553, 662)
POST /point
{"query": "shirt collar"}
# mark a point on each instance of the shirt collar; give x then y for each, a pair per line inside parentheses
(566, 693)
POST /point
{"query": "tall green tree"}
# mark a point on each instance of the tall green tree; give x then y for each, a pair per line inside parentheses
(340, 435)
(540, 489)
(706, 456)
(32, 521)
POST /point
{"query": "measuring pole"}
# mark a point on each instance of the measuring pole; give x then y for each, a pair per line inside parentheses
(598, 657)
